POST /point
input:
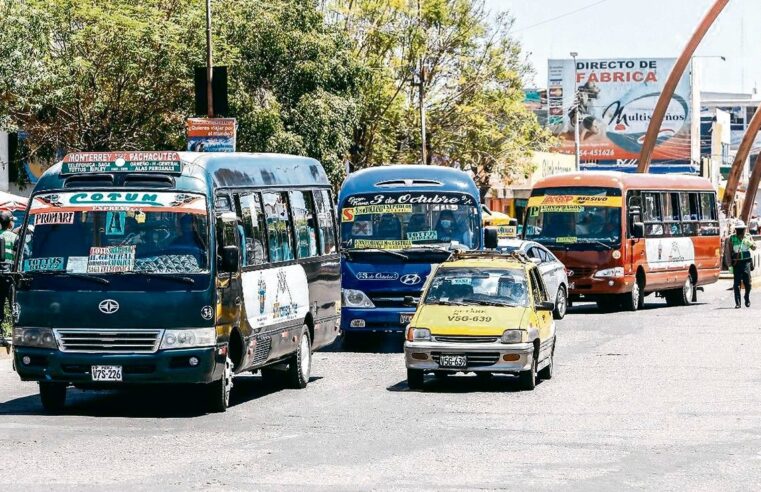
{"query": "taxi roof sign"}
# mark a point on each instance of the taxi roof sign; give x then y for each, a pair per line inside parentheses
(122, 162)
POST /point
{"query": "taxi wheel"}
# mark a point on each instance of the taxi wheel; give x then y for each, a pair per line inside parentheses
(528, 378)
(546, 373)
(53, 396)
(300, 364)
(415, 379)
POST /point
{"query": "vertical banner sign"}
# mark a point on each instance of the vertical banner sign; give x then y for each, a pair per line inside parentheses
(616, 102)
(211, 134)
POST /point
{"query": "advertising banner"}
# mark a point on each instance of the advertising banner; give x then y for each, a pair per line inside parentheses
(616, 102)
(211, 134)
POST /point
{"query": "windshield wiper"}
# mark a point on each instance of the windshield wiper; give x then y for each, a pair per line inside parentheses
(595, 241)
(86, 276)
(492, 303)
(181, 278)
(434, 247)
(378, 250)
(447, 303)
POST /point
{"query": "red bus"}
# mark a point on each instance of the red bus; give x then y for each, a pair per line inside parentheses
(624, 236)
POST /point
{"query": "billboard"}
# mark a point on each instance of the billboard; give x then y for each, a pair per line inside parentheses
(616, 102)
(211, 134)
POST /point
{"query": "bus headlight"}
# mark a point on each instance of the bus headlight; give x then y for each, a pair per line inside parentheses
(356, 298)
(34, 337)
(195, 337)
(617, 272)
(512, 336)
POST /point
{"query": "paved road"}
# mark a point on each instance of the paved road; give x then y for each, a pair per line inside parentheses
(666, 398)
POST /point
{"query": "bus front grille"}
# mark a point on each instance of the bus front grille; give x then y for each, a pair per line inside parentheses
(108, 340)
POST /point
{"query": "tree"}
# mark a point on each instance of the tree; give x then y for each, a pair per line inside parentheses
(472, 74)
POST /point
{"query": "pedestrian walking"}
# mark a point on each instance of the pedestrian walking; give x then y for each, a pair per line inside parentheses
(9, 237)
(741, 244)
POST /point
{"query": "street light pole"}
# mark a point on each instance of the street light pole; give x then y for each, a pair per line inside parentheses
(576, 133)
(209, 69)
(421, 95)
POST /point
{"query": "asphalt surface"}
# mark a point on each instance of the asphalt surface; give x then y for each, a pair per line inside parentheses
(665, 398)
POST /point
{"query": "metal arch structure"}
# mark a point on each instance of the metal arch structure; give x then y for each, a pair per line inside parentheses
(733, 180)
(750, 195)
(661, 106)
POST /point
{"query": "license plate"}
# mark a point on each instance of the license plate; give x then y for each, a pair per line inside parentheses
(453, 361)
(405, 318)
(106, 373)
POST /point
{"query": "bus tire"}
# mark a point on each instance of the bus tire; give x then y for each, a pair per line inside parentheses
(635, 299)
(218, 392)
(561, 303)
(300, 363)
(687, 293)
(53, 396)
(415, 379)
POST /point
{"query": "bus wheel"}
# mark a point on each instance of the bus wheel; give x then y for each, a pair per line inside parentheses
(683, 296)
(561, 304)
(300, 363)
(53, 396)
(634, 300)
(218, 392)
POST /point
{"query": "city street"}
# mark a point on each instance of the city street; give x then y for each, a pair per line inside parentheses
(664, 398)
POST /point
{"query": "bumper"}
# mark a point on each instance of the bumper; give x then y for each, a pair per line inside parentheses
(376, 319)
(481, 357)
(590, 286)
(167, 366)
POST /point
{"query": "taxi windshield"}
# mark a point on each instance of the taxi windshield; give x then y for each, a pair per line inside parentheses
(117, 232)
(491, 287)
(405, 220)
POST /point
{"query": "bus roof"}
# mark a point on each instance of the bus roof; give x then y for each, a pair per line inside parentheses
(224, 169)
(403, 177)
(625, 181)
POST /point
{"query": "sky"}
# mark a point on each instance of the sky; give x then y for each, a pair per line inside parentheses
(641, 28)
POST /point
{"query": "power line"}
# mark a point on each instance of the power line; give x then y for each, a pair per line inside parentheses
(546, 21)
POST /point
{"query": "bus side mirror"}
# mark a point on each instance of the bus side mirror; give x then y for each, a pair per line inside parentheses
(490, 238)
(638, 230)
(230, 259)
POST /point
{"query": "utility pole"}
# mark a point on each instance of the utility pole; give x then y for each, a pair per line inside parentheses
(421, 95)
(209, 67)
(576, 133)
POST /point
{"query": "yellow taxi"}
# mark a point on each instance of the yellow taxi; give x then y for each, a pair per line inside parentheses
(483, 312)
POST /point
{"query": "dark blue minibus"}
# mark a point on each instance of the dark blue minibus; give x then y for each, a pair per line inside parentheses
(397, 222)
(175, 267)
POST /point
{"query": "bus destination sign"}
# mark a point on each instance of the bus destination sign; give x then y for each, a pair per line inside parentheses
(122, 162)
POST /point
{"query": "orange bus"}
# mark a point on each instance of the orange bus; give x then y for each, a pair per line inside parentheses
(624, 236)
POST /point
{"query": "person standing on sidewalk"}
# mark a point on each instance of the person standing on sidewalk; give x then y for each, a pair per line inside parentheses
(741, 245)
(9, 237)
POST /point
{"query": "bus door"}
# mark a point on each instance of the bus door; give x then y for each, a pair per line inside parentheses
(229, 294)
(636, 231)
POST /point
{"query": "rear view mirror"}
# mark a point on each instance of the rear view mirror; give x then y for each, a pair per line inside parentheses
(546, 306)
(491, 238)
(230, 259)
(638, 230)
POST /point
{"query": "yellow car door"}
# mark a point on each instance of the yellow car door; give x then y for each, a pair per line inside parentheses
(542, 318)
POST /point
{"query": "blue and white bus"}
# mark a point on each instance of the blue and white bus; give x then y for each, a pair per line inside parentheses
(397, 223)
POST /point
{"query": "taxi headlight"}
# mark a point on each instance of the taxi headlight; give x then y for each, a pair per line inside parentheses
(34, 337)
(512, 336)
(356, 298)
(617, 272)
(195, 337)
(418, 334)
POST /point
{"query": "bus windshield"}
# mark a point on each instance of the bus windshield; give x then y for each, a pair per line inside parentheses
(117, 232)
(572, 215)
(405, 220)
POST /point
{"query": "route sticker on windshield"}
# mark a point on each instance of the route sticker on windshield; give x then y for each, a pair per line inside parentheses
(54, 218)
(77, 264)
(381, 244)
(574, 200)
(111, 259)
(348, 214)
(461, 281)
(115, 223)
(422, 235)
(53, 264)
(567, 240)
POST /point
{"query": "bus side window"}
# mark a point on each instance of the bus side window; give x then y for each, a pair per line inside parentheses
(671, 222)
(252, 229)
(279, 235)
(689, 209)
(326, 222)
(709, 222)
(652, 214)
(302, 210)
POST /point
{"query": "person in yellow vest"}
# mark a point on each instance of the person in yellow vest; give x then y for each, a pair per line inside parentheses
(741, 245)
(9, 237)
